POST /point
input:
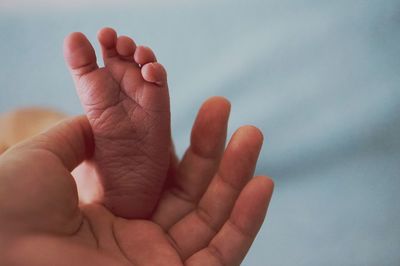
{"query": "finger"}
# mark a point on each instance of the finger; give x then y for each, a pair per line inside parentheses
(195, 230)
(36, 184)
(71, 141)
(233, 241)
(199, 163)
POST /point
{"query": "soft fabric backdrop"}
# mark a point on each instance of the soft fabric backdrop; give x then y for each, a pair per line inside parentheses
(320, 78)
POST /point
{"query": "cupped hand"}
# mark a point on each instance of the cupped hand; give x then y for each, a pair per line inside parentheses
(209, 214)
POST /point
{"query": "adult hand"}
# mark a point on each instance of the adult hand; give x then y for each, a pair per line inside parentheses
(209, 214)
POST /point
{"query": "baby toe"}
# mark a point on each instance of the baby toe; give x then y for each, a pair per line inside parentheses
(107, 38)
(144, 55)
(79, 54)
(154, 73)
(126, 47)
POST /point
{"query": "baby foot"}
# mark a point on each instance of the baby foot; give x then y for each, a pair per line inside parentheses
(127, 105)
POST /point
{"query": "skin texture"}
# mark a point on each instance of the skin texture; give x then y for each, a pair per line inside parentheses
(127, 105)
(209, 213)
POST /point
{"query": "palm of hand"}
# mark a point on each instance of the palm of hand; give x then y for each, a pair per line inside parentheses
(209, 213)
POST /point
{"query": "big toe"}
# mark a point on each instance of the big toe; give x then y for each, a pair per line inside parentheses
(79, 54)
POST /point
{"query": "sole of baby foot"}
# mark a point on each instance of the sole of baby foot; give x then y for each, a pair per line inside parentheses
(127, 105)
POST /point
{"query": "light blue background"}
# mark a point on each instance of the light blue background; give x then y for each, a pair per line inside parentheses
(320, 78)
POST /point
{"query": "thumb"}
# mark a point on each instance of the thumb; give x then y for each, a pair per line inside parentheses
(71, 141)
